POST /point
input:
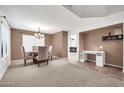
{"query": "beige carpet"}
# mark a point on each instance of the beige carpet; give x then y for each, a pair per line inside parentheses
(59, 73)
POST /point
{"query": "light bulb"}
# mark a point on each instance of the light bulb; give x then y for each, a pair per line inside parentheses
(100, 47)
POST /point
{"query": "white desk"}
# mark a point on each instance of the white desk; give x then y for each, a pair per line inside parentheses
(100, 56)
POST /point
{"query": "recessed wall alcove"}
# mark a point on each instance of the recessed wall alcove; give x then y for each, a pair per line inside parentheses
(92, 40)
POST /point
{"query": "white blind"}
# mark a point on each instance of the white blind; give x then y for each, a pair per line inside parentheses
(29, 41)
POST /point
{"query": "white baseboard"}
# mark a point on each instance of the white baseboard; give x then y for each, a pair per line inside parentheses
(16, 60)
(123, 70)
(114, 65)
(2, 73)
(90, 60)
(4, 70)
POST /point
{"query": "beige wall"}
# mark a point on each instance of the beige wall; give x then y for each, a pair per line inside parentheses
(91, 40)
(60, 44)
(16, 42)
(58, 40)
(48, 39)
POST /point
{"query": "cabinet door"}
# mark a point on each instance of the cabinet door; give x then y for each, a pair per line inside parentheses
(82, 56)
(100, 59)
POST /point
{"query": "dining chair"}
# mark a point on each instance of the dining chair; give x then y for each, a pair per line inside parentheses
(50, 52)
(35, 48)
(42, 55)
(26, 56)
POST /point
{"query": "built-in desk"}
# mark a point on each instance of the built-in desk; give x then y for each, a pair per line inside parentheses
(100, 56)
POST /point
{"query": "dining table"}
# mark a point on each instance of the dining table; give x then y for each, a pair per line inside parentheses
(34, 54)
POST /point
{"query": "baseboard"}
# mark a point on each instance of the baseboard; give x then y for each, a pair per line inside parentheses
(114, 65)
(16, 60)
(2, 73)
(90, 60)
(123, 70)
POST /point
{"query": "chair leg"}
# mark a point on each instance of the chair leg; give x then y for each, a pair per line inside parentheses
(48, 57)
(47, 62)
(38, 64)
(51, 58)
(25, 62)
(34, 60)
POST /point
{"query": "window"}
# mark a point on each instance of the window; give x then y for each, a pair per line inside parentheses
(29, 41)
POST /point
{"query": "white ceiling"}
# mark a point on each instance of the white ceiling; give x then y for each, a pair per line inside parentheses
(85, 11)
(52, 18)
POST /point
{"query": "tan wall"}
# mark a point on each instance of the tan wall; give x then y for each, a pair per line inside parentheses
(91, 40)
(16, 42)
(65, 44)
(48, 39)
(58, 40)
(60, 44)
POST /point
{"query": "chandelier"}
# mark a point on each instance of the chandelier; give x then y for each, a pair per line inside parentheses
(39, 34)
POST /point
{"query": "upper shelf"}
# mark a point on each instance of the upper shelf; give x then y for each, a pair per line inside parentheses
(113, 37)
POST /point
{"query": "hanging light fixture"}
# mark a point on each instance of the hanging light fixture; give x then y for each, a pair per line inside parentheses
(39, 34)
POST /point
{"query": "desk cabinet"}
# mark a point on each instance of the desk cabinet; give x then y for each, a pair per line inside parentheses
(100, 57)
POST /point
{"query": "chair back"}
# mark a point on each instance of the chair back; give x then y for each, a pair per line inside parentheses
(35, 48)
(23, 52)
(42, 53)
(50, 50)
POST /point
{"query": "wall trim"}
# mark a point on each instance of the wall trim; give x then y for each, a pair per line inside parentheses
(90, 60)
(16, 60)
(3, 72)
(114, 65)
(102, 22)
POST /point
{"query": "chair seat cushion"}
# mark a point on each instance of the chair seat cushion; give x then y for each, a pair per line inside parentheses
(29, 57)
